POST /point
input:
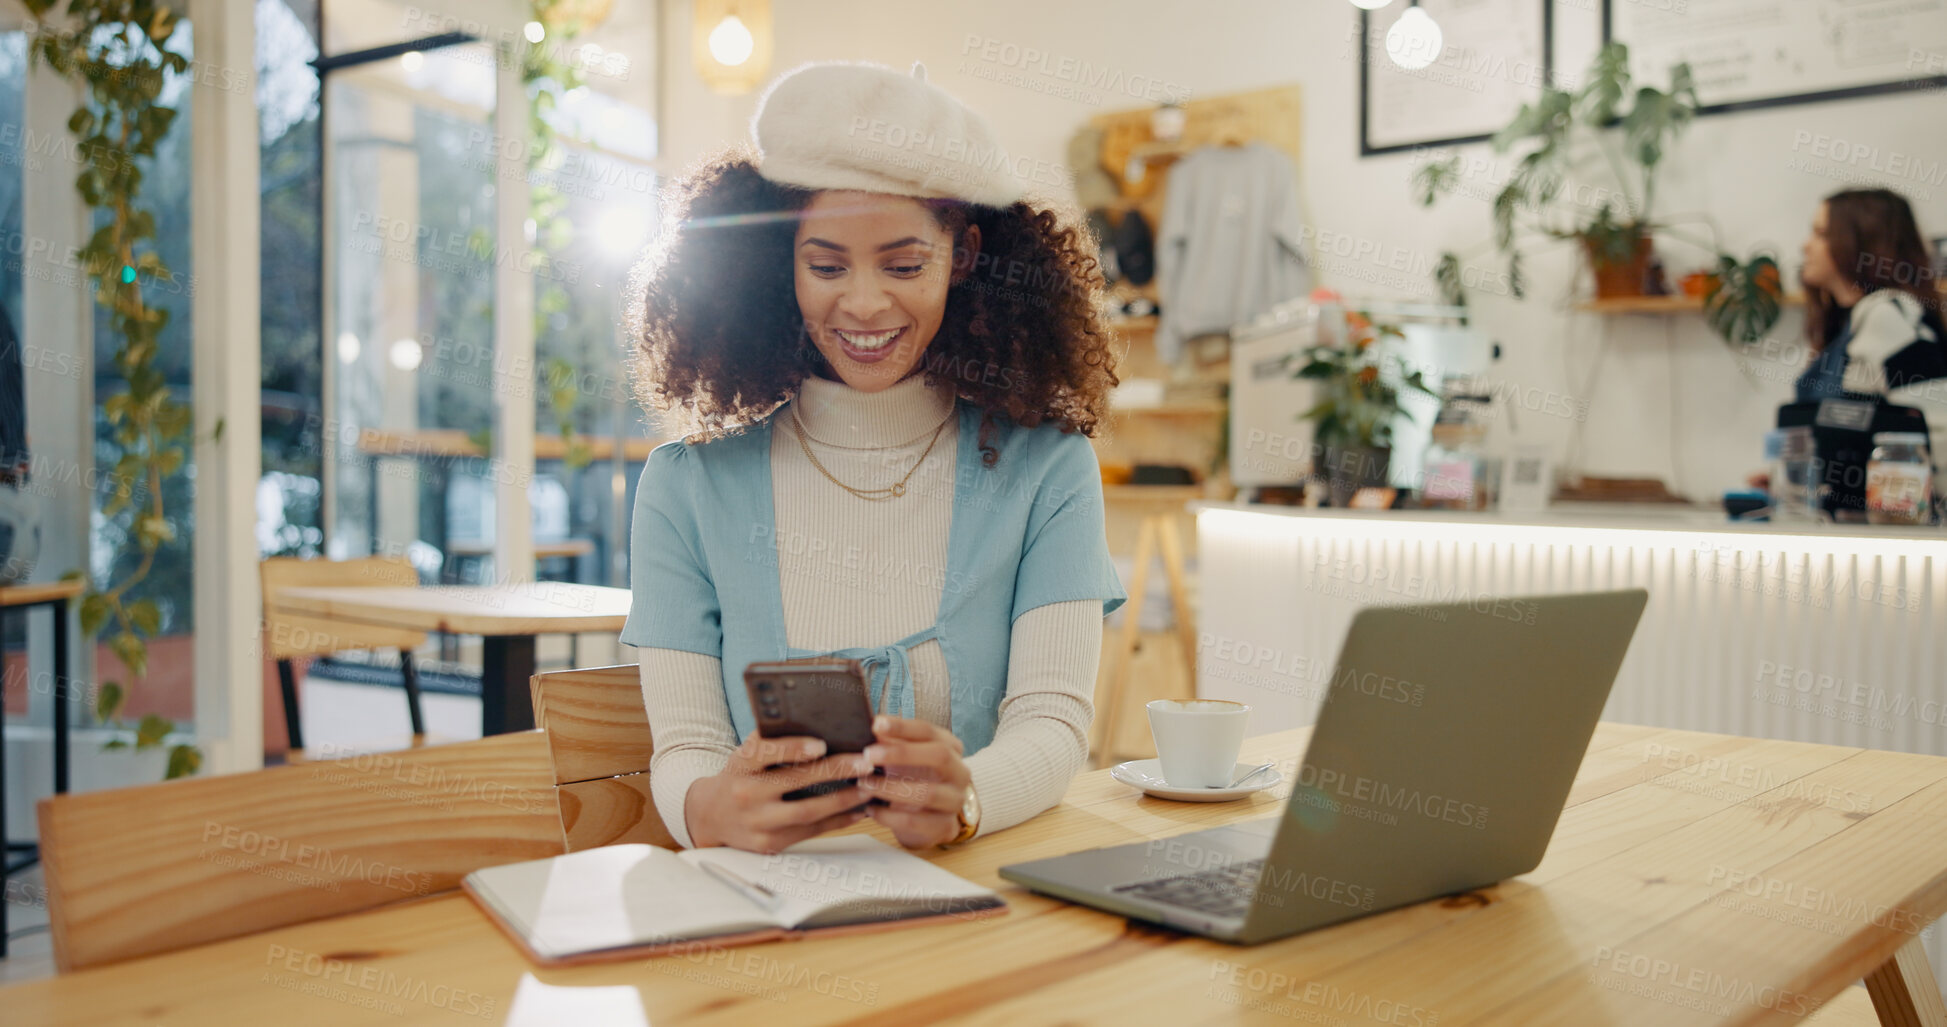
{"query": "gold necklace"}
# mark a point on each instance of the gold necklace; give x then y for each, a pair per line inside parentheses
(892, 491)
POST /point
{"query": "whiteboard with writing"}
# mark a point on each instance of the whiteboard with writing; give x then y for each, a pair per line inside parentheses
(1765, 52)
(1493, 59)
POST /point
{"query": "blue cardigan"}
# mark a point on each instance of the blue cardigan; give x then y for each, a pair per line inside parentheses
(1025, 533)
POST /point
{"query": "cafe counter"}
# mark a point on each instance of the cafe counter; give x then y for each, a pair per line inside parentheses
(1807, 632)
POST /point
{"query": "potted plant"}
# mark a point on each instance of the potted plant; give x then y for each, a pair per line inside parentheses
(1564, 136)
(1357, 405)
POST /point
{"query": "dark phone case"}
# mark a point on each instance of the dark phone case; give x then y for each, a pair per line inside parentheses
(816, 696)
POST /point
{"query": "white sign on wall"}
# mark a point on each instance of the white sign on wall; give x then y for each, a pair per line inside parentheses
(1494, 57)
(1760, 53)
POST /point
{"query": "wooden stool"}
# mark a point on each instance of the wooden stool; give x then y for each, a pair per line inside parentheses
(1161, 504)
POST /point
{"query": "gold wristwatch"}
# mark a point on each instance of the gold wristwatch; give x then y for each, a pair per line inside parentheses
(969, 818)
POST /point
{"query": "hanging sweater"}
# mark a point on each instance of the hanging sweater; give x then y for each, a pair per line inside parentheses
(826, 540)
(1231, 244)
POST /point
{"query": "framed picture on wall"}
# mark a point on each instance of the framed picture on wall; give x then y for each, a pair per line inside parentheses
(1495, 55)
(1748, 54)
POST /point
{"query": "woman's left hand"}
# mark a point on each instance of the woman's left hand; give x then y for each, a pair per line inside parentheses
(925, 782)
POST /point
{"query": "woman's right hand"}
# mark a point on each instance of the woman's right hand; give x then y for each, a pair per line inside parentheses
(744, 805)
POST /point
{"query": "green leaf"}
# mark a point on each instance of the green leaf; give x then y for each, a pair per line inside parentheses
(1607, 80)
(95, 609)
(1506, 203)
(146, 615)
(152, 531)
(151, 731)
(184, 760)
(112, 744)
(1436, 179)
(128, 648)
(108, 702)
(1446, 275)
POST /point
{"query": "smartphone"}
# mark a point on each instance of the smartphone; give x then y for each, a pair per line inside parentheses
(821, 697)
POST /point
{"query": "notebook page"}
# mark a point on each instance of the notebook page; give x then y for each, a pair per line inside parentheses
(612, 897)
(850, 878)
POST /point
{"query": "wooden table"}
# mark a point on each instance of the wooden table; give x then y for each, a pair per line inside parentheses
(55, 595)
(507, 617)
(1657, 888)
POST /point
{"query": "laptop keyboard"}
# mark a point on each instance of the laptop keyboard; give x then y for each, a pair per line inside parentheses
(1223, 891)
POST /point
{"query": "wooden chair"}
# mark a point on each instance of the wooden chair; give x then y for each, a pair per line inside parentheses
(136, 871)
(598, 740)
(288, 636)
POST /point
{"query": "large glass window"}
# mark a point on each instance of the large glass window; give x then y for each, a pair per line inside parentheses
(411, 202)
(289, 499)
(412, 192)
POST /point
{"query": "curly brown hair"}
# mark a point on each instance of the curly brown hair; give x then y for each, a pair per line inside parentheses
(720, 343)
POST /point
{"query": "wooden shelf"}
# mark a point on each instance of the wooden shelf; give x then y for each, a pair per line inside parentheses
(1678, 304)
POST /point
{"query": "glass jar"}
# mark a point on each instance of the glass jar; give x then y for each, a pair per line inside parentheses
(1456, 473)
(1794, 482)
(1899, 479)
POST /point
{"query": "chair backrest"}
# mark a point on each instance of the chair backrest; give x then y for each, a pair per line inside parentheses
(598, 738)
(286, 635)
(135, 871)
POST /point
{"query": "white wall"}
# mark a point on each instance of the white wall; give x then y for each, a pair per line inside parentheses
(1647, 382)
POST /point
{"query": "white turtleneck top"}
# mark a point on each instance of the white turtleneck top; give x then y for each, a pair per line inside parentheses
(831, 601)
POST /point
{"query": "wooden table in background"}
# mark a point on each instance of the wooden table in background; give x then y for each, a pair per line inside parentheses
(507, 617)
(1641, 913)
(56, 595)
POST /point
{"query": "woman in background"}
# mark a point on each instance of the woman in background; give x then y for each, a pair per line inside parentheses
(1872, 301)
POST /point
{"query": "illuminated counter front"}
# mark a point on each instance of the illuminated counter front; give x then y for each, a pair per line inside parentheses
(1817, 634)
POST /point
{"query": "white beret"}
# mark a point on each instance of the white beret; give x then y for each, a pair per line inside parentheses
(859, 125)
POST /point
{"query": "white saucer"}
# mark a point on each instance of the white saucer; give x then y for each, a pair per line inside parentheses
(1148, 776)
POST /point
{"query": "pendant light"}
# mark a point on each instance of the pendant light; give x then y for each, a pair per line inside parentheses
(731, 44)
(1414, 41)
(1370, 5)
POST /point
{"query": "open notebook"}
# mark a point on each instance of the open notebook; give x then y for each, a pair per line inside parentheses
(623, 901)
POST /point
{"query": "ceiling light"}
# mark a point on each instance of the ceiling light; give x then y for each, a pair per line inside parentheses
(1414, 41)
(731, 42)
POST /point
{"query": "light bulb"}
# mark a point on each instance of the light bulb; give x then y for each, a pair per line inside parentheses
(1414, 40)
(406, 354)
(412, 61)
(1370, 5)
(730, 42)
(347, 348)
(534, 32)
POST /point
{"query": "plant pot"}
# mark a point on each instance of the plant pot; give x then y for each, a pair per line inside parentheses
(1347, 469)
(1617, 279)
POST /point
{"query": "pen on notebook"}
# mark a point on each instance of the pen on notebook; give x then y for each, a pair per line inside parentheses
(764, 897)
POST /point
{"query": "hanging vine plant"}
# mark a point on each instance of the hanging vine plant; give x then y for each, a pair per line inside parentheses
(114, 51)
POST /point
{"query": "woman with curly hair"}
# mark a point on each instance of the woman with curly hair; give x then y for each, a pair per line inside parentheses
(886, 366)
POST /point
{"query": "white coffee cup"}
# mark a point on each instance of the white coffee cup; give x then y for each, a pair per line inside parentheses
(1197, 740)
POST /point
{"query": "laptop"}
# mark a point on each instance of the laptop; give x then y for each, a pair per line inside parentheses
(1447, 742)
